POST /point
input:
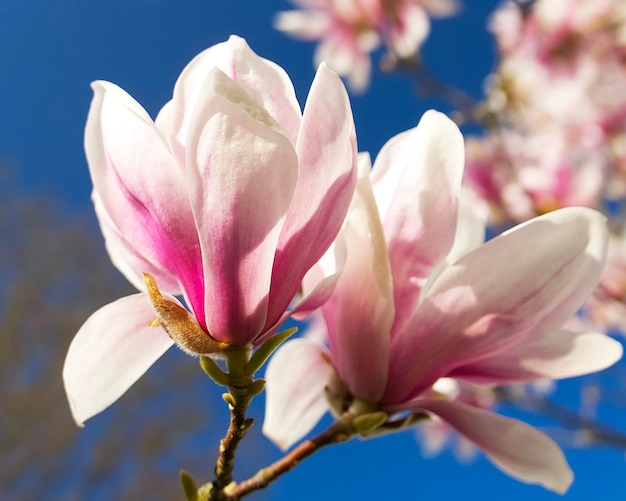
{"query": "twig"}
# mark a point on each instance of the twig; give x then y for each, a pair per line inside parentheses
(339, 431)
(595, 432)
(467, 108)
(240, 393)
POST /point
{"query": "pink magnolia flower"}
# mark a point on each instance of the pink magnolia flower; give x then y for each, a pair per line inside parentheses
(560, 82)
(350, 30)
(521, 174)
(606, 309)
(420, 299)
(226, 199)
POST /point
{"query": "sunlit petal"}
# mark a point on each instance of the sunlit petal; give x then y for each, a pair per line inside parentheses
(296, 377)
(113, 348)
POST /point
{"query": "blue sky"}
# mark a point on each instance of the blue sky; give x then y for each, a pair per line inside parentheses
(51, 51)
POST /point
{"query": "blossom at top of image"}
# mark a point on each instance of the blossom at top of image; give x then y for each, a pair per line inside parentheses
(350, 30)
(226, 199)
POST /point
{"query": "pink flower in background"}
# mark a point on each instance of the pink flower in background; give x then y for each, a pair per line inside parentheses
(420, 298)
(349, 30)
(226, 199)
(523, 174)
(606, 309)
(558, 88)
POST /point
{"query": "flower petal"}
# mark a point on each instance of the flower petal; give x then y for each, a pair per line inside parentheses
(515, 447)
(317, 287)
(296, 376)
(242, 173)
(113, 348)
(407, 35)
(306, 25)
(140, 193)
(264, 81)
(470, 234)
(554, 355)
(360, 313)
(346, 58)
(327, 175)
(126, 257)
(530, 279)
(417, 181)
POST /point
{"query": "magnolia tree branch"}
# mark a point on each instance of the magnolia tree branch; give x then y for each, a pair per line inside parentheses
(467, 108)
(339, 431)
(241, 389)
(237, 429)
(594, 432)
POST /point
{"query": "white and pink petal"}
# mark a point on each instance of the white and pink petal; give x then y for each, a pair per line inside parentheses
(417, 181)
(242, 172)
(557, 354)
(326, 149)
(112, 350)
(264, 81)
(140, 188)
(531, 279)
(295, 401)
(517, 448)
(360, 313)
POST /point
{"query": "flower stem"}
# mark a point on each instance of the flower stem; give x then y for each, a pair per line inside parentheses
(340, 431)
(240, 393)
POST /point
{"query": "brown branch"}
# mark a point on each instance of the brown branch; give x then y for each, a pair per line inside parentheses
(241, 390)
(225, 464)
(428, 84)
(595, 432)
(339, 431)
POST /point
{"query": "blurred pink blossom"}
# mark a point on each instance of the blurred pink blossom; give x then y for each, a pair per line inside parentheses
(349, 30)
(606, 309)
(420, 298)
(520, 175)
(557, 108)
(226, 199)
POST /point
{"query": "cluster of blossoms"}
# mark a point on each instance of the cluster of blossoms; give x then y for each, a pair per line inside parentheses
(559, 114)
(607, 306)
(350, 30)
(556, 134)
(234, 200)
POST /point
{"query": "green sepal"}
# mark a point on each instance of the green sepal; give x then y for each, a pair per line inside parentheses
(204, 492)
(257, 387)
(266, 349)
(247, 424)
(228, 398)
(410, 420)
(366, 423)
(214, 371)
(189, 486)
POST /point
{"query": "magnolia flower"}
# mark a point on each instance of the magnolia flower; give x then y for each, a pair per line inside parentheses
(606, 309)
(416, 303)
(350, 30)
(522, 174)
(559, 88)
(226, 199)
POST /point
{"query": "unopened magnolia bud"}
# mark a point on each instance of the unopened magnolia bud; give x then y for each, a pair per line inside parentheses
(179, 324)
